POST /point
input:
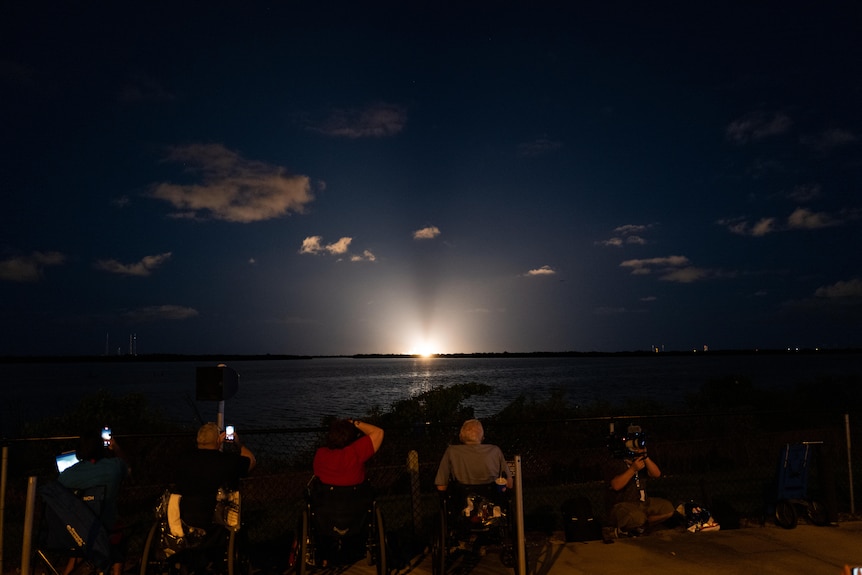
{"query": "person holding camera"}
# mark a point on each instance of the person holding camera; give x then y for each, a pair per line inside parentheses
(630, 510)
(199, 475)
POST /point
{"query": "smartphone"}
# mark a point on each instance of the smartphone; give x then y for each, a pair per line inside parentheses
(228, 433)
(106, 436)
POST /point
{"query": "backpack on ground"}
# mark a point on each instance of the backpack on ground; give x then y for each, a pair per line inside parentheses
(579, 521)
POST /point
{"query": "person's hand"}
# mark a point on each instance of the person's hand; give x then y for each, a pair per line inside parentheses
(639, 463)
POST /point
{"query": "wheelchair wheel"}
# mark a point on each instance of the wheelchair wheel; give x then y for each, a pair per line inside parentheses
(379, 534)
(237, 559)
(439, 543)
(785, 514)
(150, 564)
(816, 513)
(302, 547)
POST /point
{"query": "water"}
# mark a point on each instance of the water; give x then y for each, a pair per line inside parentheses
(298, 393)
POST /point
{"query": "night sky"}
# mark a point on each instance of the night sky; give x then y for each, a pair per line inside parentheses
(331, 178)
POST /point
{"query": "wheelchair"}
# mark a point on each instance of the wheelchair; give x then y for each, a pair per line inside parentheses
(471, 517)
(337, 526)
(174, 548)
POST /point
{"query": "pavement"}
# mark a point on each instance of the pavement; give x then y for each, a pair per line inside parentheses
(762, 550)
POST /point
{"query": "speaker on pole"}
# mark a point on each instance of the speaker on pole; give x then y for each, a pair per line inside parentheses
(216, 383)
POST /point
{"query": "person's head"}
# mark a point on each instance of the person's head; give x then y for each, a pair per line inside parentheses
(209, 436)
(90, 446)
(472, 432)
(341, 434)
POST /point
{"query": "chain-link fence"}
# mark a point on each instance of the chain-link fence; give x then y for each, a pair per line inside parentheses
(726, 459)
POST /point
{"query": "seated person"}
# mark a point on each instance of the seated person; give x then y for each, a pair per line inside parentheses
(473, 462)
(342, 496)
(630, 510)
(198, 475)
(100, 465)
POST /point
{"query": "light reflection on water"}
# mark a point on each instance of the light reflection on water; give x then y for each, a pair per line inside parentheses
(299, 393)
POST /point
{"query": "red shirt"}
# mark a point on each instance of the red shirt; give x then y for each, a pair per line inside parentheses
(343, 466)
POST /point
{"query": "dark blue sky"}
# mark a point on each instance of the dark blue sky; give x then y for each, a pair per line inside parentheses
(418, 176)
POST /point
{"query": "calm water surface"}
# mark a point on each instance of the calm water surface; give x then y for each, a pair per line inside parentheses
(298, 393)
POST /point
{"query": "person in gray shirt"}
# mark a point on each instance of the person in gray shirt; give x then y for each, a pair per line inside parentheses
(472, 462)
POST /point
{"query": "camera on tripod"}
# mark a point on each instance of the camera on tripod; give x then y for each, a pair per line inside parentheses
(626, 446)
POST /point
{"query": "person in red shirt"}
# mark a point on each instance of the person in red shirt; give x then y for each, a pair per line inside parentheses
(341, 496)
(342, 460)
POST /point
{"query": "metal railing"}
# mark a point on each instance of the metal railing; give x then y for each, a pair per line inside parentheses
(720, 459)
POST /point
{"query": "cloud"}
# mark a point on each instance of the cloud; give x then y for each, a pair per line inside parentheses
(671, 269)
(799, 219)
(538, 147)
(314, 245)
(804, 193)
(160, 313)
(29, 268)
(757, 126)
(841, 290)
(143, 88)
(426, 233)
(831, 139)
(366, 256)
(542, 271)
(626, 234)
(142, 268)
(233, 189)
(804, 219)
(376, 121)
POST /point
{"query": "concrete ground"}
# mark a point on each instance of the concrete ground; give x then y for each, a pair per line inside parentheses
(805, 550)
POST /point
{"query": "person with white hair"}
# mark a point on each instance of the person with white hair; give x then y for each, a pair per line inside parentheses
(472, 462)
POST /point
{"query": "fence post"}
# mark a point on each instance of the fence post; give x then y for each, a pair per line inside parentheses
(30, 509)
(415, 495)
(521, 567)
(849, 463)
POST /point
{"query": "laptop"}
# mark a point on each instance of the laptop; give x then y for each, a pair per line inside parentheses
(66, 460)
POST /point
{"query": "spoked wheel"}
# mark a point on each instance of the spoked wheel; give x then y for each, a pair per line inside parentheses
(238, 562)
(785, 514)
(378, 554)
(150, 564)
(438, 544)
(816, 513)
(302, 547)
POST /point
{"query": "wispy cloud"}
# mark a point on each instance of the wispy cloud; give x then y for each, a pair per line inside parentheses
(314, 245)
(542, 271)
(233, 188)
(630, 234)
(143, 88)
(831, 139)
(160, 313)
(670, 268)
(799, 219)
(758, 126)
(376, 121)
(851, 289)
(538, 147)
(426, 233)
(142, 268)
(29, 268)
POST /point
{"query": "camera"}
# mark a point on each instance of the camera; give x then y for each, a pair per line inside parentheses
(228, 433)
(106, 436)
(627, 445)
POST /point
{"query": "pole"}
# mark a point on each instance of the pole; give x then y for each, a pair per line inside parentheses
(3, 468)
(415, 494)
(30, 509)
(849, 463)
(521, 567)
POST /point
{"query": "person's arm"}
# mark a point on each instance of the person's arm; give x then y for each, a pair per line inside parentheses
(651, 467)
(372, 431)
(621, 480)
(245, 452)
